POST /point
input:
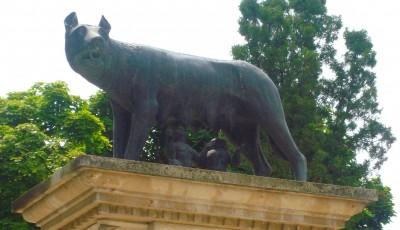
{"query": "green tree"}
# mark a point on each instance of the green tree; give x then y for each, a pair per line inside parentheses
(330, 101)
(42, 129)
(377, 213)
(352, 99)
(100, 106)
(26, 159)
(286, 39)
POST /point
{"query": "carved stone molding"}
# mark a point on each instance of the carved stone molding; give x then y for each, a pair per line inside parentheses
(104, 193)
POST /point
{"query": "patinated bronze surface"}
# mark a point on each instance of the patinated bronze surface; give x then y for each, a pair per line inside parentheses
(176, 148)
(215, 156)
(149, 86)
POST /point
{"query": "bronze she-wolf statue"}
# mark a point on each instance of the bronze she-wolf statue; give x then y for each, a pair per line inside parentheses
(150, 86)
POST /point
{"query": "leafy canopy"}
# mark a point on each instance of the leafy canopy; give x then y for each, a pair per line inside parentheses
(41, 129)
(330, 100)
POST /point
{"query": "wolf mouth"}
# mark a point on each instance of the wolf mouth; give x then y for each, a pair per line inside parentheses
(90, 58)
(91, 54)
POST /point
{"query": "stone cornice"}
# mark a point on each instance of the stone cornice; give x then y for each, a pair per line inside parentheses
(95, 190)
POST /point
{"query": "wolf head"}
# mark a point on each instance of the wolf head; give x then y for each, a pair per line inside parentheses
(86, 46)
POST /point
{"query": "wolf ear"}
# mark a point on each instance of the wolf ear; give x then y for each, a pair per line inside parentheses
(70, 21)
(105, 24)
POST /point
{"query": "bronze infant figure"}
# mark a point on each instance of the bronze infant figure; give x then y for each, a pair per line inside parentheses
(215, 156)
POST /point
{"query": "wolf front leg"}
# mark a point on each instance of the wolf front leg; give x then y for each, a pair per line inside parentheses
(121, 127)
(141, 123)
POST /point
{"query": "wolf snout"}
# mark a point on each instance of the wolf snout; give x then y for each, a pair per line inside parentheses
(96, 47)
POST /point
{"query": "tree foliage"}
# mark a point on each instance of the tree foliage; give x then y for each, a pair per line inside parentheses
(41, 129)
(377, 213)
(330, 100)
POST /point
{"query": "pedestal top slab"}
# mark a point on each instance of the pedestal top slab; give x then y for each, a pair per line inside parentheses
(93, 188)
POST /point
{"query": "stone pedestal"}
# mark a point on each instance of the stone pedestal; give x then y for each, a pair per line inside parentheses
(105, 193)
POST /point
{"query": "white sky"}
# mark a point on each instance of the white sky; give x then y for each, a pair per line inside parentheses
(32, 43)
